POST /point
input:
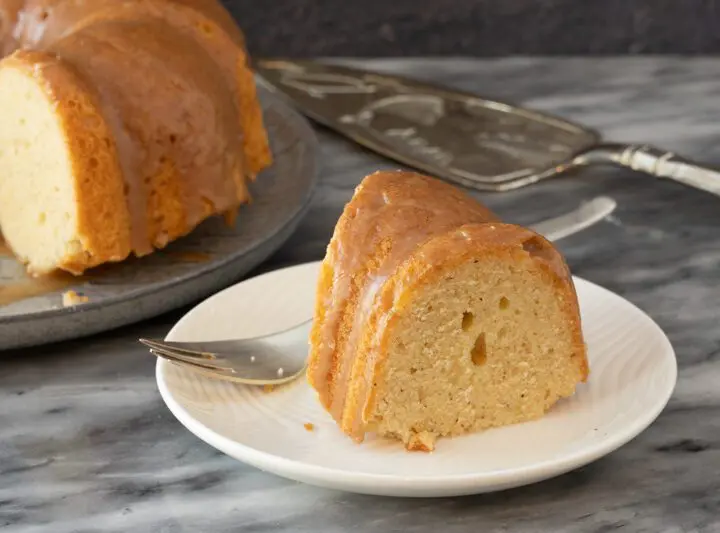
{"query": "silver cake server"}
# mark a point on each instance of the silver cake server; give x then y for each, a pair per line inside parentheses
(461, 137)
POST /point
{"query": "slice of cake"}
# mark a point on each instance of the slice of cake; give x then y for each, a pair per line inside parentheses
(62, 203)
(433, 318)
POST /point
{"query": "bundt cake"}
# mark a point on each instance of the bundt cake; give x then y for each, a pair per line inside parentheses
(125, 123)
(435, 318)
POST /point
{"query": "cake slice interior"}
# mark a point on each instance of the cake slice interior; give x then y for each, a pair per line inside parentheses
(489, 340)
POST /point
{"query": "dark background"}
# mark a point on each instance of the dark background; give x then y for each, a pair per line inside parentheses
(297, 28)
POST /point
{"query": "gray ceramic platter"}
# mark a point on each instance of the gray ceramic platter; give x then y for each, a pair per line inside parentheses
(209, 259)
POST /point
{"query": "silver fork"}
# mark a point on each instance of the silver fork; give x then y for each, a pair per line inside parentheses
(266, 360)
(280, 357)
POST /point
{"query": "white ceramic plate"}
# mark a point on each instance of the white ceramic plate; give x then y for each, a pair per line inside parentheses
(633, 373)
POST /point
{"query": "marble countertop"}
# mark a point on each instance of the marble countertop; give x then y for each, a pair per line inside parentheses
(86, 443)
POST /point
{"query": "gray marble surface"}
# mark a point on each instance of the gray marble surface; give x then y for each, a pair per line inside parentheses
(86, 443)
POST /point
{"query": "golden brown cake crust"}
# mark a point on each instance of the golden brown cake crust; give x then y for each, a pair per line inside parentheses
(398, 232)
(9, 10)
(167, 105)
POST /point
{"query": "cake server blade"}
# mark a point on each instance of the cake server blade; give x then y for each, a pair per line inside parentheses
(458, 136)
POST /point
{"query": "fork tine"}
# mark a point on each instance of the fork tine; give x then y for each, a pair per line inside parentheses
(190, 362)
(184, 351)
(201, 363)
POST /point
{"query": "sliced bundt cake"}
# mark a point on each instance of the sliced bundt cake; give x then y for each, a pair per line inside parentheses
(125, 124)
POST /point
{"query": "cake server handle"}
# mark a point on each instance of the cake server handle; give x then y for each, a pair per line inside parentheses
(655, 162)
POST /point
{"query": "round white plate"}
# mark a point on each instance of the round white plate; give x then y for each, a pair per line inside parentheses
(632, 375)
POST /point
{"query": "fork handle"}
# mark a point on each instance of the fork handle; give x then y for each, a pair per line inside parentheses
(656, 162)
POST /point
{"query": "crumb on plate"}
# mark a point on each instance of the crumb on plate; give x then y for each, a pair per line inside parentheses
(309, 426)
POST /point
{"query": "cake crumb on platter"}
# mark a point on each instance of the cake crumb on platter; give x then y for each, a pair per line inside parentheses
(309, 426)
(71, 298)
